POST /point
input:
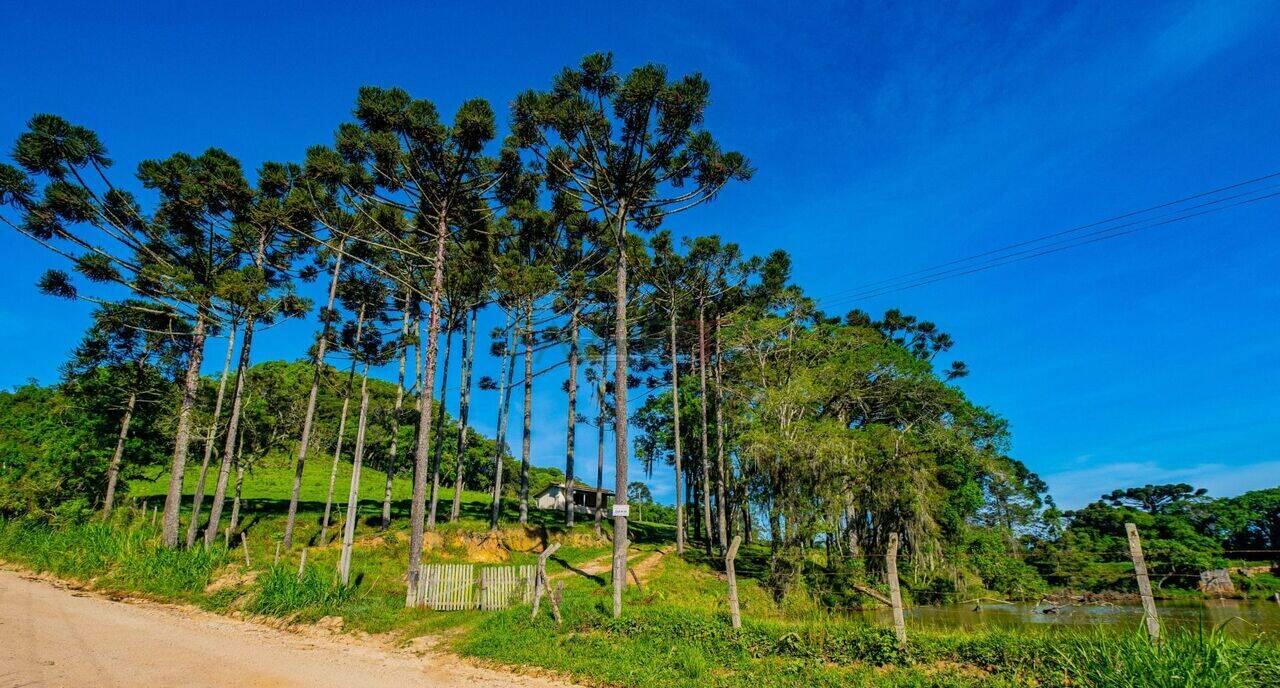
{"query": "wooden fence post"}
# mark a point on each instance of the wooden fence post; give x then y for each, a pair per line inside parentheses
(556, 596)
(244, 543)
(895, 595)
(540, 583)
(735, 618)
(1144, 583)
(302, 563)
(276, 561)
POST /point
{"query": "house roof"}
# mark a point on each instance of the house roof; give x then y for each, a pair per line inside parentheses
(577, 487)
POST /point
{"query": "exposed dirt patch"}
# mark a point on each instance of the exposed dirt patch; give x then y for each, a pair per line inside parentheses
(55, 637)
(232, 577)
(646, 566)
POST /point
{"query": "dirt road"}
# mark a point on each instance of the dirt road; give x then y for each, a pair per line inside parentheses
(52, 636)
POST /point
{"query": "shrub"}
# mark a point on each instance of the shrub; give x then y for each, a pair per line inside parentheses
(1184, 659)
(315, 594)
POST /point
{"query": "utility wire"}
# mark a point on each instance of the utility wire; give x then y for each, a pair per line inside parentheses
(1000, 253)
(932, 275)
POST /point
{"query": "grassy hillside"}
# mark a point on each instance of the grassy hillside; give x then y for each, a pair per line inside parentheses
(674, 631)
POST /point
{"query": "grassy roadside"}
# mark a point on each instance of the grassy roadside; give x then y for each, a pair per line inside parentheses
(674, 632)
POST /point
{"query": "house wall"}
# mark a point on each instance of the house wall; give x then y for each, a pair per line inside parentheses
(554, 498)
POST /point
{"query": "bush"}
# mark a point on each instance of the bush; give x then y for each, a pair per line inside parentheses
(121, 555)
(1184, 659)
(282, 592)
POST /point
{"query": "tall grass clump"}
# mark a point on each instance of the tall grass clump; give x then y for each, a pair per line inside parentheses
(316, 593)
(148, 567)
(116, 554)
(78, 551)
(1182, 659)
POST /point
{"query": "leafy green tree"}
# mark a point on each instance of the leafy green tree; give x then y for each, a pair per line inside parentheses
(1247, 525)
(669, 275)
(54, 454)
(264, 226)
(574, 268)
(638, 494)
(329, 254)
(176, 255)
(470, 292)
(1155, 499)
(197, 497)
(468, 276)
(367, 295)
(364, 294)
(406, 157)
(629, 150)
(143, 345)
(524, 276)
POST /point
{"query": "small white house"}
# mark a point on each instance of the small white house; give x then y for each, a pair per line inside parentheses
(584, 498)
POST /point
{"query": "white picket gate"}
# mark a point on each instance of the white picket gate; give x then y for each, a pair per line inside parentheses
(451, 587)
(503, 586)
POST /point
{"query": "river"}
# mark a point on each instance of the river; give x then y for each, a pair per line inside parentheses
(1239, 618)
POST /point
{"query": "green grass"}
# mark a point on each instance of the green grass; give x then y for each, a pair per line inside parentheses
(674, 632)
(123, 555)
(282, 592)
(662, 646)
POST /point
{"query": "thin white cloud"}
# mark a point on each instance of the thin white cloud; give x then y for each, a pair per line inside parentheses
(1075, 488)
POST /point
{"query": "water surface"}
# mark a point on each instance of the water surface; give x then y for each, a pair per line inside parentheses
(1245, 618)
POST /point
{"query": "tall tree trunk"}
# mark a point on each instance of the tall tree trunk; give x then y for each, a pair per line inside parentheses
(504, 412)
(308, 420)
(775, 526)
(353, 495)
(675, 420)
(182, 435)
(601, 391)
(527, 436)
(233, 425)
(237, 404)
(113, 469)
(620, 446)
(722, 476)
(418, 504)
(417, 384)
(464, 406)
(695, 495)
(571, 432)
(198, 498)
(342, 432)
(705, 458)
(235, 501)
(386, 495)
(439, 438)
(418, 366)
(393, 454)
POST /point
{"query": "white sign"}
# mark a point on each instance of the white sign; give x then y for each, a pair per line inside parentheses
(623, 510)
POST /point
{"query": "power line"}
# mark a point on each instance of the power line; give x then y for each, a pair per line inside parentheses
(931, 275)
(1001, 253)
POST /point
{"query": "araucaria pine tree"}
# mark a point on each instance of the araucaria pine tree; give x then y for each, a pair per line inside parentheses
(631, 151)
(177, 254)
(437, 174)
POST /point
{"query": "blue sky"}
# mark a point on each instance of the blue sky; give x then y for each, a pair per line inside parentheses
(888, 138)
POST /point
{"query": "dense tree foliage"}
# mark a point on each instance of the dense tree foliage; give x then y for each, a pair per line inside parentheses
(822, 435)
